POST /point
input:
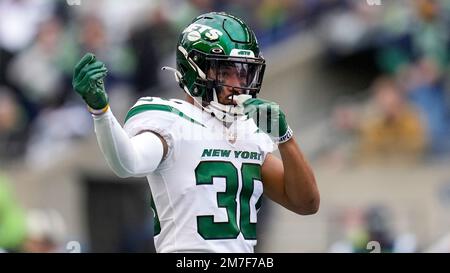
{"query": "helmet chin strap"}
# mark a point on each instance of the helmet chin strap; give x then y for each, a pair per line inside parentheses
(225, 113)
(178, 77)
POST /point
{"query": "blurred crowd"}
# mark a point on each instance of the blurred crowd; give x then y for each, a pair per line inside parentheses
(403, 115)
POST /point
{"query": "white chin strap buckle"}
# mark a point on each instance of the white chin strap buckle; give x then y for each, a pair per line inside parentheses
(229, 113)
(240, 99)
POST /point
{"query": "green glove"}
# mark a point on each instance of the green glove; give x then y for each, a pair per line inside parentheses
(88, 82)
(269, 118)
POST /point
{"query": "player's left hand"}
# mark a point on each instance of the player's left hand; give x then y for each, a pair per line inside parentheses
(269, 118)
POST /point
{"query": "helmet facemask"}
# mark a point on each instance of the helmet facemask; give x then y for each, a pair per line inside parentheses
(240, 76)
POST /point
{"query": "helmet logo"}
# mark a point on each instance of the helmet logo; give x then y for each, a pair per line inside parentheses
(213, 34)
(242, 53)
(194, 36)
(196, 30)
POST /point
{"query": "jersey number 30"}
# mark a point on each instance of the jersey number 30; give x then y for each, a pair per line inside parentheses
(205, 172)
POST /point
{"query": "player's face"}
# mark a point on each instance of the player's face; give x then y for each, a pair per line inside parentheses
(231, 77)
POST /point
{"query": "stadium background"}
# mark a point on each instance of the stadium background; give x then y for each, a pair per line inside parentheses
(365, 88)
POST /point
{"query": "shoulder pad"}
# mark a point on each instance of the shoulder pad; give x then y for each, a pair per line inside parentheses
(173, 106)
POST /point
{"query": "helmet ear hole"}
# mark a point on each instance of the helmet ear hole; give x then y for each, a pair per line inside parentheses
(195, 92)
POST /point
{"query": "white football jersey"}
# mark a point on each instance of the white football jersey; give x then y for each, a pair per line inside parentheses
(207, 191)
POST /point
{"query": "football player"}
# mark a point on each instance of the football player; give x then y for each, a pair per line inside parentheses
(208, 158)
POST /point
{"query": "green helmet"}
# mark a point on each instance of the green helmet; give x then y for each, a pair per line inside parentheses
(213, 41)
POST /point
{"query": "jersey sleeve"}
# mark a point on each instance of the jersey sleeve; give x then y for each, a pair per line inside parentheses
(156, 115)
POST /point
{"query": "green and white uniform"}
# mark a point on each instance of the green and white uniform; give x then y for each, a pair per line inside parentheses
(207, 190)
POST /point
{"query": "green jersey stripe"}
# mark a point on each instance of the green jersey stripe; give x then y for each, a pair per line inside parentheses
(159, 107)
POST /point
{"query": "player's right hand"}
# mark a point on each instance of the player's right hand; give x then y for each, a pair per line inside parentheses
(88, 82)
(274, 122)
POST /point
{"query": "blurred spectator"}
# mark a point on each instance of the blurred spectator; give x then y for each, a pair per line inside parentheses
(19, 20)
(13, 126)
(35, 71)
(362, 226)
(354, 236)
(392, 131)
(430, 35)
(273, 14)
(54, 134)
(379, 227)
(45, 232)
(12, 219)
(93, 35)
(5, 59)
(345, 31)
(387, 127)
(339, 150)
(151, 42)
(93, 38)
(424, 86)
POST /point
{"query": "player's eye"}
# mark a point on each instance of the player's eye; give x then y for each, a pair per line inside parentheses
(243, 74)
(224, 74)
